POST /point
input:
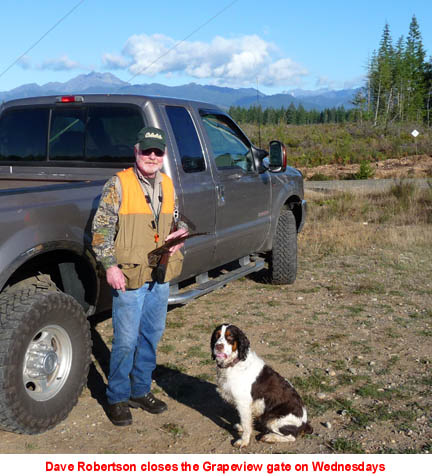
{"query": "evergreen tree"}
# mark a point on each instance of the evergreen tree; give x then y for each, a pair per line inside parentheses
(416, 72)
(291, 114)
(397, 79)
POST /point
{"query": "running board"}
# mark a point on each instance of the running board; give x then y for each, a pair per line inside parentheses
(205, 285)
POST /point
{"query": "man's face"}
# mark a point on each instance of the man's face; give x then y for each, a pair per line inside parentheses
(148, 161)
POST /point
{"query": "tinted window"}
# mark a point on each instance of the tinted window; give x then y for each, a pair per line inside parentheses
(189, 146)
(230, 147)
(111, 133)
(23, 134)
(66, 140)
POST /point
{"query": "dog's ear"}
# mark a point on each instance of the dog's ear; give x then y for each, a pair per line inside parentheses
(243, 344)
(214, 338)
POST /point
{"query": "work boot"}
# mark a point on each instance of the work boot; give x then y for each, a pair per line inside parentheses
(149, 403)
(119, 414)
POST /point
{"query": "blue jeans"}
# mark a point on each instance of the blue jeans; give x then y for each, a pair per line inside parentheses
(138, 317)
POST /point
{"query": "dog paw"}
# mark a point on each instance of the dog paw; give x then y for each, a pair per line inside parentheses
(238, 428)
(274, 438)
(241, 443)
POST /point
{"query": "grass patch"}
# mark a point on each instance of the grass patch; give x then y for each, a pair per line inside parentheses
(317, 381)
(317, 407)
(368, 286)
(344, 445)
(354, 310)
(373, 390)
(173, 429)
(196, 351)
(174, 324)
(166, 348)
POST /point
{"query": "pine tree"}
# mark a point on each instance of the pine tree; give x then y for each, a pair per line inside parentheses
(416, 72)
(428, 98)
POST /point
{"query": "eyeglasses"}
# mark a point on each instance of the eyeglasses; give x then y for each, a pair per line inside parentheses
(157, 152)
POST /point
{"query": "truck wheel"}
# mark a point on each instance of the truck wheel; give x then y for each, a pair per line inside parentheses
(45, 354)
(283, 256)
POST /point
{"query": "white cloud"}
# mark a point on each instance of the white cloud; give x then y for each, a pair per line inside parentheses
(60, 64)
(325, 82)
(355, 82)
(237, 61)
(287, 71)
(111, 61)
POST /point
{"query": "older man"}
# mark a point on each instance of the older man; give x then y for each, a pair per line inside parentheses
(137, 213)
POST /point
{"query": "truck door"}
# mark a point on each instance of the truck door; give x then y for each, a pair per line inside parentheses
(242, 194)
(195, 189)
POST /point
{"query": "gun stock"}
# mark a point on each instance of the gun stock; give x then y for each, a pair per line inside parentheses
(161, 256)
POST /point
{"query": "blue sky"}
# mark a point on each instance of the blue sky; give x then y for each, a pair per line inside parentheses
(279, 45)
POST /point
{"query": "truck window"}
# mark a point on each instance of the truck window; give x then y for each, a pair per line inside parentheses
(111, 133)
(66, 141)
(23, 134)
(191, 154)
(230, 147)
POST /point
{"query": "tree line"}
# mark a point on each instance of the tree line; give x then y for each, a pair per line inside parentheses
(399, 80)
(398, 89)
(291, 115)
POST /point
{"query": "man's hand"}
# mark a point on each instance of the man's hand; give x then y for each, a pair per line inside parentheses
(176, 234)
(116, 278)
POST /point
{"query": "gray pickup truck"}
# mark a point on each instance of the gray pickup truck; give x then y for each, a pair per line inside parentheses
(55, 155)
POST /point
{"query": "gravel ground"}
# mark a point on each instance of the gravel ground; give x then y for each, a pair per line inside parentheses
(353, 334)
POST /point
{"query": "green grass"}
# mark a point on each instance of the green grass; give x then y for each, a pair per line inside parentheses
(175, 430)
(344, 445)
(355, 310)
(317, 381)
(197, 351)
(166, 348)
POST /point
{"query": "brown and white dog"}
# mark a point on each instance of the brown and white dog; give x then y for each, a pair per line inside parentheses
(256, 390)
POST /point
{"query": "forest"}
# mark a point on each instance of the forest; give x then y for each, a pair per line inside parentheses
(397, 89)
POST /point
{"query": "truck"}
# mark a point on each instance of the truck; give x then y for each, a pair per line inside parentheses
(245, 204)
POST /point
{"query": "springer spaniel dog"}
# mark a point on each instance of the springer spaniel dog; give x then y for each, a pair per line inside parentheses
(256, 390)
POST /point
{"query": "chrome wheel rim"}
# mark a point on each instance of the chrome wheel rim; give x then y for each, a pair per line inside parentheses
(47, 363)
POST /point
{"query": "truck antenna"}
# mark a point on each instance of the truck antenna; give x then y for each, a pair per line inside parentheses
(259, 115)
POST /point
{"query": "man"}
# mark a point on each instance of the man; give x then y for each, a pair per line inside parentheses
(136, 214)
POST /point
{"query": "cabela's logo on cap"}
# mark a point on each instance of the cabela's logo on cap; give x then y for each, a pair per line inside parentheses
(153, 135)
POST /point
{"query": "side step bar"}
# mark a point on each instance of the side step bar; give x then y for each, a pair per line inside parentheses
(205, 285)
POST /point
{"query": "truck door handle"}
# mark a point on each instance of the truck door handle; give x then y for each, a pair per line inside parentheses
(236, 176)
(220, 191)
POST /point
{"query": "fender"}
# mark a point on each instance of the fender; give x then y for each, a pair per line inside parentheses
(79, 250)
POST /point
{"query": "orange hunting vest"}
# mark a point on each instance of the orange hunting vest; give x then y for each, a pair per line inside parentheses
(136, 233)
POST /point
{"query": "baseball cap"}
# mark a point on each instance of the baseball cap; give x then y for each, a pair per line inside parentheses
(151, 138)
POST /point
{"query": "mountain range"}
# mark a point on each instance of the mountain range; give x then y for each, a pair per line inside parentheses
(222, 96)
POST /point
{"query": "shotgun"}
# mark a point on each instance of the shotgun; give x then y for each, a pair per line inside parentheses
(159, 257)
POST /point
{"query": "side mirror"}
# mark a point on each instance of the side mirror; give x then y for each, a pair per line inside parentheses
(278, 156)
(260, 157)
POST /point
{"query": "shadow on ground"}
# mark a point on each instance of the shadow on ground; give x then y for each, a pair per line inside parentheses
(197, 394)
(193, 392)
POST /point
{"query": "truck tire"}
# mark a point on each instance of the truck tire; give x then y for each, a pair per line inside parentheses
(45, 354)
(283, 256)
